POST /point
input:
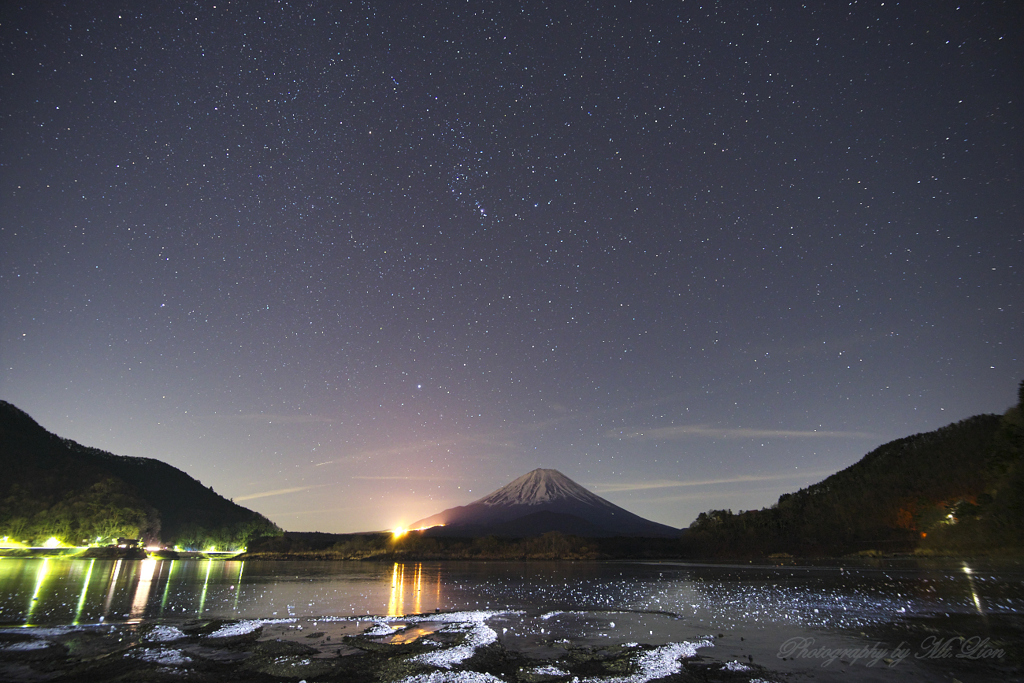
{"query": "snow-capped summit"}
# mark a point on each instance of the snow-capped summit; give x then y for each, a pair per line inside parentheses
(541, 486)
(540, 501)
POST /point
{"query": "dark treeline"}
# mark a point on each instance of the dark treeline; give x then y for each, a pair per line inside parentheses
(959, 489)
(414, 546)
(54, 487)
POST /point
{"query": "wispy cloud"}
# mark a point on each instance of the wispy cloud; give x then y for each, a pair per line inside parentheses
(408, 448)
(403, 477)
(282, 419)
(488, 444)
(670, 483)
(278, 492)
(684, 431)
(320, 511)
(485, 443)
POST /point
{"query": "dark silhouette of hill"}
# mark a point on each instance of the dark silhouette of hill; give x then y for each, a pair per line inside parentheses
(540, 502)
(533, 524)
(956, 489)
(57, 487)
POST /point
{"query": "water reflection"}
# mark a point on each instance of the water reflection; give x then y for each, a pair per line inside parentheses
(206, 586)
(167, 585)
(146, 570)
(63, 591)
(238, 586)
(111, 586)
(85, 591)
(974, 592)
(397, 605)
(66, 591)
(41, 574)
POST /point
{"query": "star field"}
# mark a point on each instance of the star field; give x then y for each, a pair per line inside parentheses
(355, 263)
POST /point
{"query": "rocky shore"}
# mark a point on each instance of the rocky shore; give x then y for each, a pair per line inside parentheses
(462, 647)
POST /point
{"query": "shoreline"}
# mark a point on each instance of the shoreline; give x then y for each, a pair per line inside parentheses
(102, 553)
(424, 648)
(514, 640)
(402, 557)
(440, 647)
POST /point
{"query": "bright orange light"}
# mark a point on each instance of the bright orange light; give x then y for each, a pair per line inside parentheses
(400, 531)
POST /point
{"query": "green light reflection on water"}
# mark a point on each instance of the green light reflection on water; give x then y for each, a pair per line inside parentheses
(41, 573)
(238, 586)
(206, 584)
(167, 587)
(85, 589)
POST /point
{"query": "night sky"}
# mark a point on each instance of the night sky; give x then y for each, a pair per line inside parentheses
(354, 264)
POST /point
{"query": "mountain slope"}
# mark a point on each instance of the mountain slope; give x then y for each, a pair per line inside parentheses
(566, 507)
(56, 487)
(960, 487)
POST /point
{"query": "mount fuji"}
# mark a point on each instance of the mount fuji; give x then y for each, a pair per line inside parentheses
(536, 503)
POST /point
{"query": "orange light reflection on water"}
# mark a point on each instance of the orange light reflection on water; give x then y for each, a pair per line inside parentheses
(146, 569)
(397, 606)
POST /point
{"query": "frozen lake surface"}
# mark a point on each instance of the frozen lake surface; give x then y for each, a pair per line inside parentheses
(875, 619)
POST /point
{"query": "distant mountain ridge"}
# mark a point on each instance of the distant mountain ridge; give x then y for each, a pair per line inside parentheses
(538, 502)
(51, 486)
(957, 489)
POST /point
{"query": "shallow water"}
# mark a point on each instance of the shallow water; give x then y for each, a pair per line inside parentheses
(825, 621)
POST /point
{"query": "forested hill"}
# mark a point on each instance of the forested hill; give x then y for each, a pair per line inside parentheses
(957, 489)
(56, 487)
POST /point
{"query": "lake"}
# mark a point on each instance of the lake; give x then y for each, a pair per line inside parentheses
(897, 620)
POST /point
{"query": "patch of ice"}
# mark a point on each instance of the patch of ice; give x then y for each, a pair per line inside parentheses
(477, 634)
(379, 628)
(664, 661)
(549, 671)
(171, 670)
(736, 666)
(240, 628)
(657, 663)
(43, 631)
(437, 618)
(568, 613)
(454, 617)
(164, 634)
(453, 677)
(245, 627)
(162, 657)
(28, 645)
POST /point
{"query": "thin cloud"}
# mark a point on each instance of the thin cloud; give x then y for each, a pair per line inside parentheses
(283, 419)
(684, 431)
(278, 492)
(668, 483)
(320, 511)
(404, 477)
(402, 449)
(485, 443)
(493, 441)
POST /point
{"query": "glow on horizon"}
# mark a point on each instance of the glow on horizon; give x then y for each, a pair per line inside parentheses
(398, 532)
